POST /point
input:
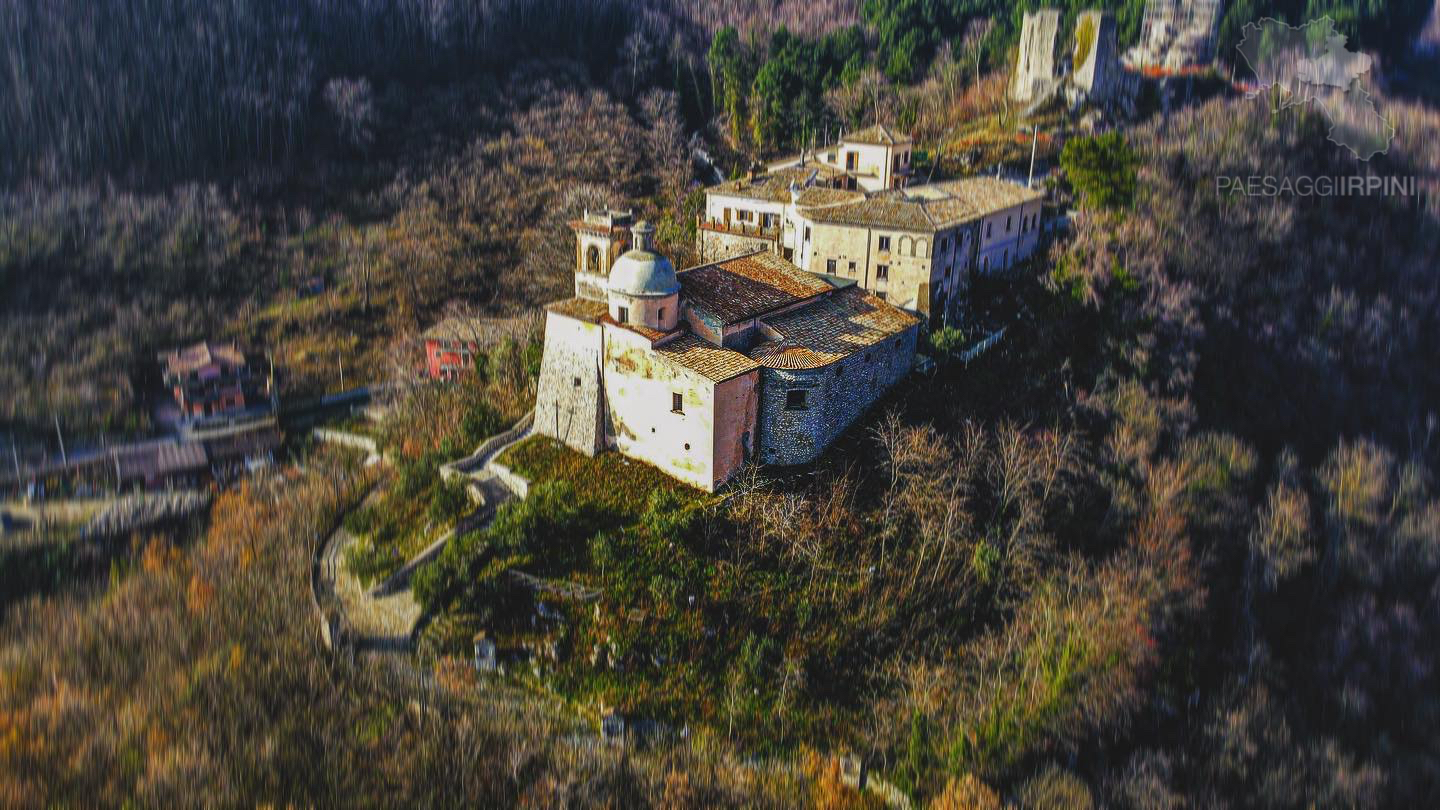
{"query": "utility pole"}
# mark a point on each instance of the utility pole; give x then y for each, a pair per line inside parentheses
(15, 457)
(64, 461)
(1034, 142)
(341, 357)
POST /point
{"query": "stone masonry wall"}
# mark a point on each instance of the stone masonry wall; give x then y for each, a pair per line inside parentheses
(835, 401)
(567, 401)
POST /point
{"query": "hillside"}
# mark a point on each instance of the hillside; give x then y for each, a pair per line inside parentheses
(1174, 542)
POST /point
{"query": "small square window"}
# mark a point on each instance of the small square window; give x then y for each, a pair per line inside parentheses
(830, 266)
(884, 243)
(662, 315)
(677, 403)
(624, 315)
(795, 399)
(575, 381)
(852, 268)
(882, 271)
(807, 233)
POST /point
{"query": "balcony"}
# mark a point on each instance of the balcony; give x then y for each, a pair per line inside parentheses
(739, 229)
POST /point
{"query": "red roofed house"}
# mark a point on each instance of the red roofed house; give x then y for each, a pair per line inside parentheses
(450, 347)
(211, 379)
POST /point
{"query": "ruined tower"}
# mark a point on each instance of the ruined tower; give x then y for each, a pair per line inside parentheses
(1035, 65)
(1096, 57)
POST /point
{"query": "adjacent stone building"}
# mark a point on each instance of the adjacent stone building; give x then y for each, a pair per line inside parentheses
(915, 247)
(697, 372)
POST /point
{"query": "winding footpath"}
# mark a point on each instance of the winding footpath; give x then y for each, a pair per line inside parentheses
(384, 619)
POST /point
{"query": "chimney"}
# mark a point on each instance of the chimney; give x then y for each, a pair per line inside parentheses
(642, 236)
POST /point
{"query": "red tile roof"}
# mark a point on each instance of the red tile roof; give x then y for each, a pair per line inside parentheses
(707, 359)
(745, 287)
(843, 323)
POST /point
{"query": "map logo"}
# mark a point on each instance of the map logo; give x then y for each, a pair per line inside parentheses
(1311, 63)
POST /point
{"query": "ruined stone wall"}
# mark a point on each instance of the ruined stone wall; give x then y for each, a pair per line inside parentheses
(568, 395)
(1035, 65)
(836, 395)
(1098, 73)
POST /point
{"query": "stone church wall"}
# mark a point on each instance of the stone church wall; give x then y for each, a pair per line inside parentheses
(834, 400)
(567, 401)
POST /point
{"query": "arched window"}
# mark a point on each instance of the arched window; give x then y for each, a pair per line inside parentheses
(592, 259)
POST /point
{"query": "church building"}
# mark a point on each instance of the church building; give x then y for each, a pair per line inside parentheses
(700, 371)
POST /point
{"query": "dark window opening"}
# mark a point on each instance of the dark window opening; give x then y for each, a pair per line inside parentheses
(677, 403)
(884, 243)
(795, 399)
(624, 315)
(662, 316)
(882, 271)
(575, 381)
(830, 266)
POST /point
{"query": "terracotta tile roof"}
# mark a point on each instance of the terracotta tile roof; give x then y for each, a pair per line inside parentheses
(985, 195)
(929, 207)
(818, 195)
(707, 359)
(774, 186)
(200, 355)
(878, 134)
(477, 329)
(843, 323)
(638, 328)
(581, 309)
(744, 287)
(160, 458)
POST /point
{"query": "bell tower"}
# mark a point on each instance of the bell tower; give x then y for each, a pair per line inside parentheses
(600, 237)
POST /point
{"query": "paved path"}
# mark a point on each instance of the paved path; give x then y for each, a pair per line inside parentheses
(384, 618)
(383, 622)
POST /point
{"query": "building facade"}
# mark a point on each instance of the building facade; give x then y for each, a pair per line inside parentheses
(748, 358)
(213, 379)
(916, 247)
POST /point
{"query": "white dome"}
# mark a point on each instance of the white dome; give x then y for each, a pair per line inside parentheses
(642, 272)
